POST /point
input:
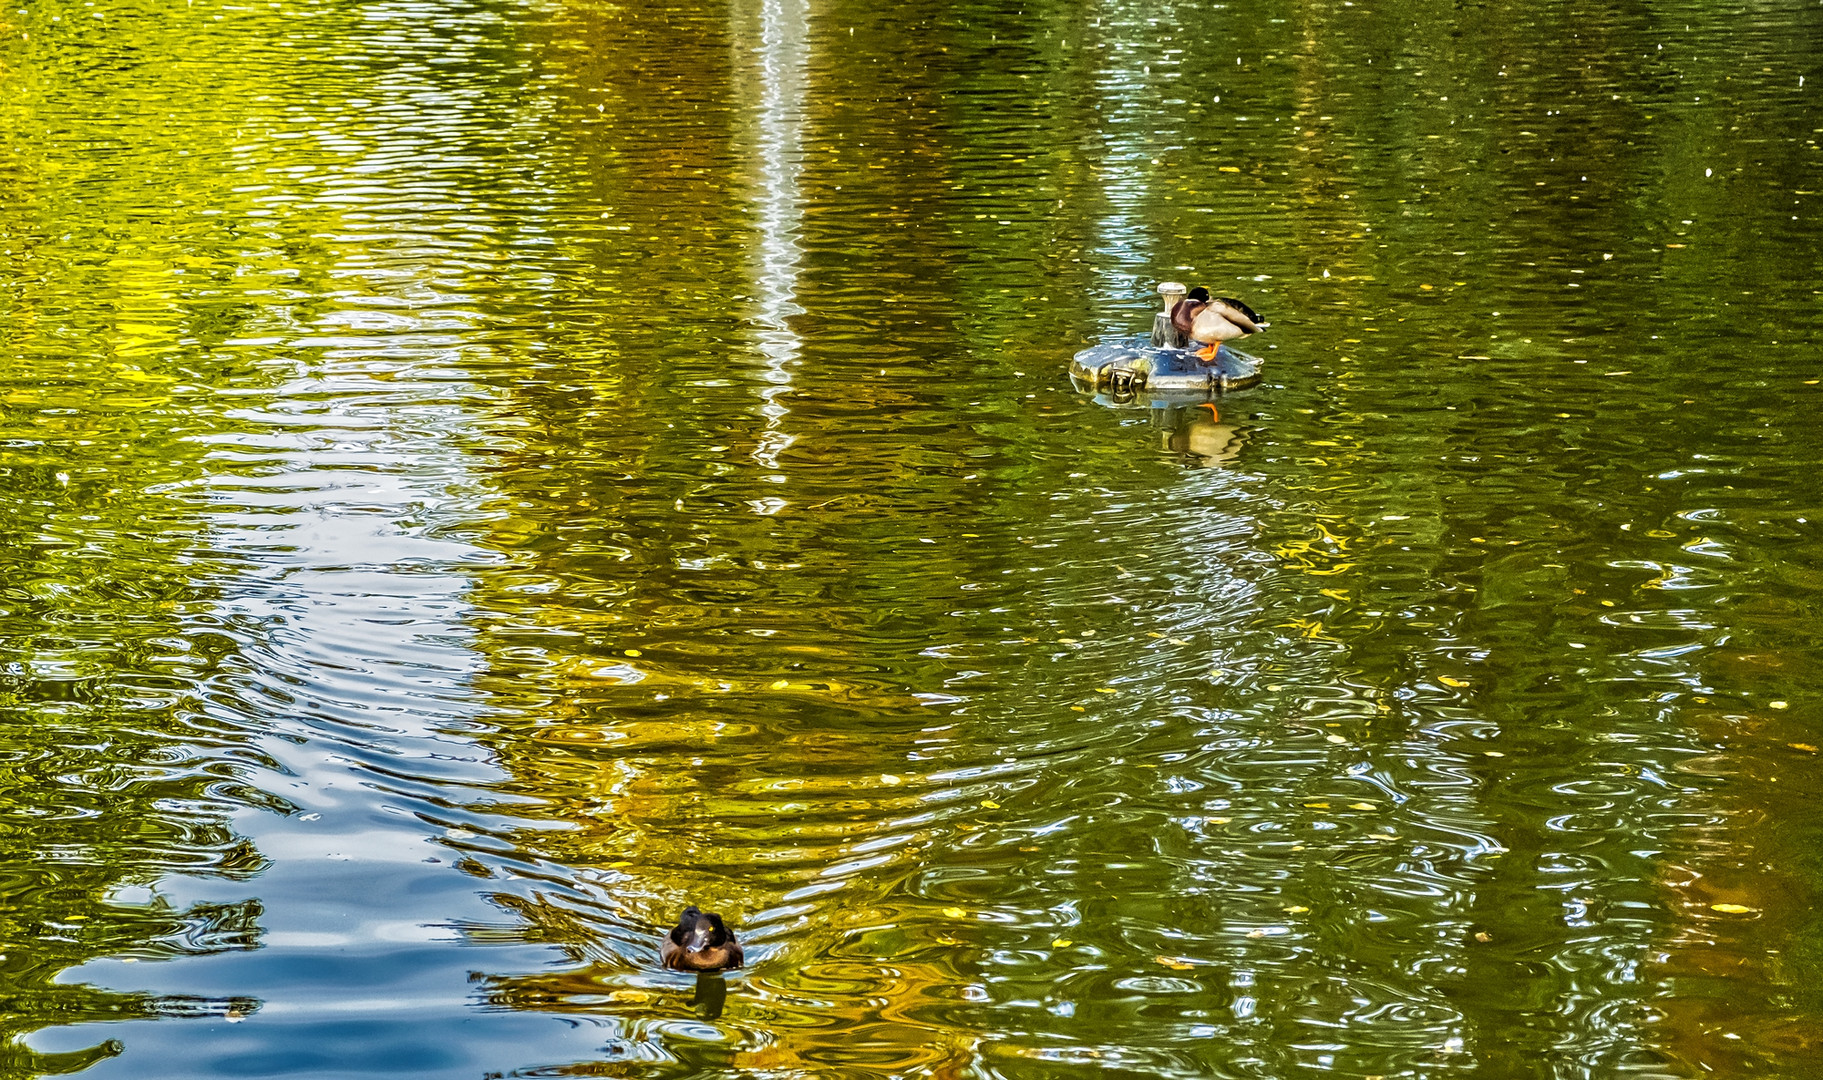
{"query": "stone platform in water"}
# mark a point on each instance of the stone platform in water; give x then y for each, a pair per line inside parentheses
(1128, 367)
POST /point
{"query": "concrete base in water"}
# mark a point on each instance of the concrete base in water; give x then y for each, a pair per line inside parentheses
(1128, 367)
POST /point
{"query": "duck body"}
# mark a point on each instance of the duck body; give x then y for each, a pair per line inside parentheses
(700, 942)
(1222, 319)
(1201, 319)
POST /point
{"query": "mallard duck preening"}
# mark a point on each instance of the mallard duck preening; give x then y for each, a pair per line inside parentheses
(700, 942)
(1204, 320)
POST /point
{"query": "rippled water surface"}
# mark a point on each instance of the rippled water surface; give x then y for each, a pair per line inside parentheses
(475, 477)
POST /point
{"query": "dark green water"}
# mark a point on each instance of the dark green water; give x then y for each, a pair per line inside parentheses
(476, 477)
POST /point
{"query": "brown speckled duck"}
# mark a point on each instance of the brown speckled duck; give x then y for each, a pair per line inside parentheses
(700, 942)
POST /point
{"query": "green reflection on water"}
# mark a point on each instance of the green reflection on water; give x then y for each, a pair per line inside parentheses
(1448, 709)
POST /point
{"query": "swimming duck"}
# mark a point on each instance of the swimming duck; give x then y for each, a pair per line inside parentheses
(700, 942)
(1204, 320)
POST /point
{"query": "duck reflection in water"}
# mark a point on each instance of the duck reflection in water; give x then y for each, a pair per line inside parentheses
(710, 996)
(1198, 430)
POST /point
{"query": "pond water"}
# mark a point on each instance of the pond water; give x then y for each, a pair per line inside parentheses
(477, 477)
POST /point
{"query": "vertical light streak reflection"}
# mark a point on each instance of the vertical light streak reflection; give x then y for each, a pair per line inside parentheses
(1126, 253)
(784, 56)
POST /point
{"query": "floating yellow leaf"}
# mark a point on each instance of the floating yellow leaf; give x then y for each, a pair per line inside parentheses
(955, 913)
(1335, 738)
(1218, 820)
(1447, 681)
(1227, 168)
(1153, 633)
(1106, 690)
(1317, 805)
(1730, 909)
(780, 684)
(1062, 943)
(1077, 708)
(890, 780)
(990, 804)
(1296, 909)
(633, 652)
(1779, 704)
(1174, 963)
(1804, 746)
(1362, 806)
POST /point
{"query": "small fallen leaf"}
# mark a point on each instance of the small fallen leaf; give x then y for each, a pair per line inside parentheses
(1804, 746)
(1227, 168)
(1173, 963)
(1062, 943)
(1362, 806)
(1731, 909)
(1106, 690)
(1447, 681)
(1218, 820)
(1493, 753)
(634, 652)
(1317, 805)
(1077, 708)
(990, 804)
(955, 913)
(1335, 738)
(1153, 633)
(779, 684)
(1296, 909)
(1181, 641)
(1779, 704)
(890, 780)
(1483, 936)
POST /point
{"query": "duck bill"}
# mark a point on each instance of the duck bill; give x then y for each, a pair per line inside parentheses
(697, 941)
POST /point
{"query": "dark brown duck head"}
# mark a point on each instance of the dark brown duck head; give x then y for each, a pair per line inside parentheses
(700, 942)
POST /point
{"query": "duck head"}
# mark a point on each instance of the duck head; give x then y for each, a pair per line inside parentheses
(700, 942)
